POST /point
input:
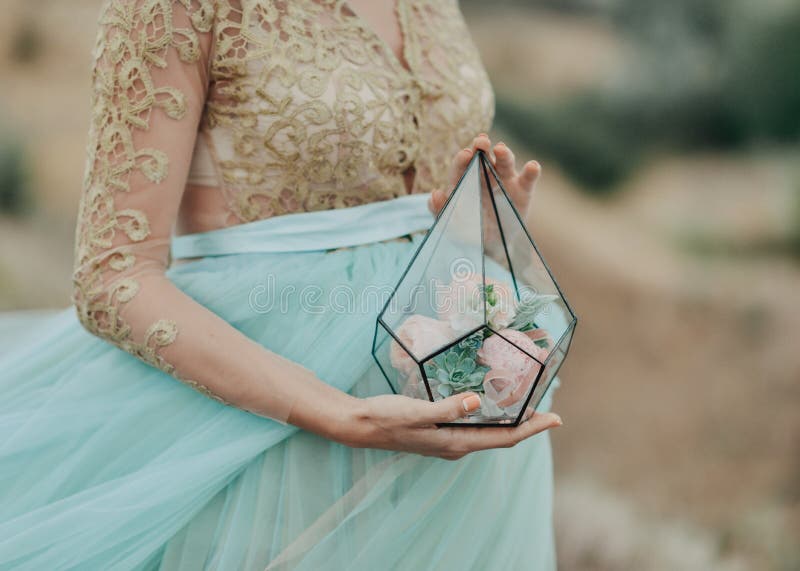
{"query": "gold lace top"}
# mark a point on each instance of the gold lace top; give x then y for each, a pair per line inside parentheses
(209, 113)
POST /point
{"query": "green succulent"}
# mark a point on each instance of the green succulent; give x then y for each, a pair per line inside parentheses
(456, 369)
(471, 343)
(490, 295)
(527, 309)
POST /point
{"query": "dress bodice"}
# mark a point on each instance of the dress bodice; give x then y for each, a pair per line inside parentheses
(309, 109)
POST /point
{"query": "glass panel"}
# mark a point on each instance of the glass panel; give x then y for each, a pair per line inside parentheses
(512, 255)
(555, 360)
(501, 368)
(399, 368)
(438, 299)
(477, 309)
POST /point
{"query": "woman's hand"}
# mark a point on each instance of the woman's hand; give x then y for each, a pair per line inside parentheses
(518, 184)
(395, 422)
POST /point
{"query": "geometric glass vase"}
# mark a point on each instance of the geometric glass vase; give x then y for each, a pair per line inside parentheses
(476, 310)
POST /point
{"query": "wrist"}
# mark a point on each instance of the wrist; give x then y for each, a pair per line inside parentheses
(349, 422)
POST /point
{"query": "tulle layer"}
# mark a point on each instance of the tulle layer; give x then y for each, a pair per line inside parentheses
(108, 463)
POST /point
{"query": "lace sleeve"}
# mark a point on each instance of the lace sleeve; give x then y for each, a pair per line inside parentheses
(149, 82)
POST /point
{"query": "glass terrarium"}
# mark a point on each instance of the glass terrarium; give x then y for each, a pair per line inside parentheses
(477, 309)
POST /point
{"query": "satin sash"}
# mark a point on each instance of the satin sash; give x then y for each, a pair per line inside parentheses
(312, 231)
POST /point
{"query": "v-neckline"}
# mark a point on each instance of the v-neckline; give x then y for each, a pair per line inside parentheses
(365, 25)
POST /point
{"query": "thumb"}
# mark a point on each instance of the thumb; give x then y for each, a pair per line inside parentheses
(449, 409)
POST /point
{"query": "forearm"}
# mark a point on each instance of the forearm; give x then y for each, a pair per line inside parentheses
(165, 327)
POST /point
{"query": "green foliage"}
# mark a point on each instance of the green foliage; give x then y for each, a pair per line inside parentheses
(763, 86)
(528, 309)
(580, 134)
(456, 369)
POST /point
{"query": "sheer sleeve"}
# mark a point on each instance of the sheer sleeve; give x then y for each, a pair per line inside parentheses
(149, 82)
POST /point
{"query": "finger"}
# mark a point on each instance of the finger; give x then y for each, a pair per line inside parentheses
(483, 143)
(436, 201)
(446, 410)
(529, 175)
(536, 423)
(484, 438)
(460, 162)
(505, 163)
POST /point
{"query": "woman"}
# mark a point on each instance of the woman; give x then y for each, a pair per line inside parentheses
(213, 120)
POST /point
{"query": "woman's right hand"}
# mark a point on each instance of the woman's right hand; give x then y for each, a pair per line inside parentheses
(396, 422)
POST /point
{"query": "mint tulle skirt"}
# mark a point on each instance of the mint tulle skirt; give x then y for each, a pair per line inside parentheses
(107, 463)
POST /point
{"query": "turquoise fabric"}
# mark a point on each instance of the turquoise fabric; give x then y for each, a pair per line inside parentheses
(312, 231)
(109, 464)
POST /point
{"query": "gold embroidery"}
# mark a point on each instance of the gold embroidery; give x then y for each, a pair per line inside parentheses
(133, 39)
(309, 109)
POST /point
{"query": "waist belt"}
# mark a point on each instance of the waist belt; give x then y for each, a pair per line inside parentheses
(312, 231)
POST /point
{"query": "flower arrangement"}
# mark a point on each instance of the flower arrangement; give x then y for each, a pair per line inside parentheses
(500, 360)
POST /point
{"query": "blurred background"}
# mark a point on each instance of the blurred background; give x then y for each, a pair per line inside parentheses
(669, 210)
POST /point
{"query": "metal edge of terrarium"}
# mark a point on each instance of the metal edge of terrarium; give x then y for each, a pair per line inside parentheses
(569, 328)
(425, 239)
(572, 325)
(375, 356)
(438, 352)
(510, 422)
(532, 241)
(520, 348)
(397, 339)
(481, 160)
(499, 226)
(403, 276)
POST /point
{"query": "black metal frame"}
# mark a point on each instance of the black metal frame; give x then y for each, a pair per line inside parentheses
(486, 168)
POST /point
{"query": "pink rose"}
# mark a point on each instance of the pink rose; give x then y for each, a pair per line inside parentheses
(463, 303)
(541, 335)
(511, 372)
(422, 336)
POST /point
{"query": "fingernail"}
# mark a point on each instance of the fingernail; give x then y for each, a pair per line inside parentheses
(500, 144)
(468, 150)
(558, 421)
(483, 135)
(471, 403)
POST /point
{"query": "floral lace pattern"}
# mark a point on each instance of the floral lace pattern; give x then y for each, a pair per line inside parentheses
(309, 109)
(303, 108)
(133, 40)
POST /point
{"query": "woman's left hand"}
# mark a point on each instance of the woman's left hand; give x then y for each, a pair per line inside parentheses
(519, 184)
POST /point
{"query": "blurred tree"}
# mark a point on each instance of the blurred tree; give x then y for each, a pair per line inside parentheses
(708, 74)
(27, 42)
(763, 86)
(15, 197)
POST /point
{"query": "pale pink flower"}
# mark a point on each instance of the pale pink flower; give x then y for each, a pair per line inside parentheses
(462, 305)
(511, 371)
(541, 335)
(422, 336)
